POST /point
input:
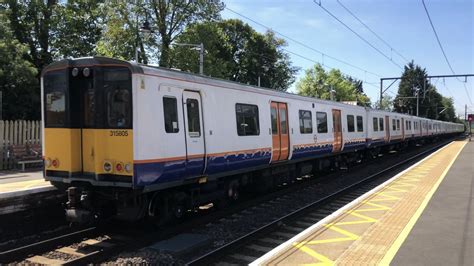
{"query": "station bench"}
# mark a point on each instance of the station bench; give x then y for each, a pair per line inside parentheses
(26, 154)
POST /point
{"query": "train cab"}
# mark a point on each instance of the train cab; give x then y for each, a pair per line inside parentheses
(88, 122)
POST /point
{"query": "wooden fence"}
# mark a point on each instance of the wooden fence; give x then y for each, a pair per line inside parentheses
(16, 133)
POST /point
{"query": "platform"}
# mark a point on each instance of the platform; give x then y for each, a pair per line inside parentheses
(422, 216)
(14, 183)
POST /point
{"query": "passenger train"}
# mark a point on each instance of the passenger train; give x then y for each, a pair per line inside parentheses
(130, 140)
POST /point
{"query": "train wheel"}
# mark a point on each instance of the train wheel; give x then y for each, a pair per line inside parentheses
(233, 190)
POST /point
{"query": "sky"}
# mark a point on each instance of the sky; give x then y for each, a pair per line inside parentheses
(403, 24)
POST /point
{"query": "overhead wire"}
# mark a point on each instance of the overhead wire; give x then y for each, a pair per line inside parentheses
(442, 50)
(303, 44)
(372, 31)
(358, 35)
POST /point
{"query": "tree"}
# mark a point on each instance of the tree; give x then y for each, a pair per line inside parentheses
(318, 83)
(387, 103)
(76, 28)
(235, 51)
(18, 83)
(172, 16)
(430, 103)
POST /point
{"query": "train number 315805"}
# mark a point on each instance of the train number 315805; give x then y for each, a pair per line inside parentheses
(118, 133)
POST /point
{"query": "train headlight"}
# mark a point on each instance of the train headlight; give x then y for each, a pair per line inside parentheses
(107, 167)
(86, 72)
(47, 163)
(119, 167)
(55, 163)
(75, 72)
(128, 167)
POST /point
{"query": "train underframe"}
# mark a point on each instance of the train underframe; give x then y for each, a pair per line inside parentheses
(88, 203)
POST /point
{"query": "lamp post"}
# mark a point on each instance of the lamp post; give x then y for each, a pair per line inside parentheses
(200, 48)
(145, 29)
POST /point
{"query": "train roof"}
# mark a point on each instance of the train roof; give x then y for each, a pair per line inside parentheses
(137, 68)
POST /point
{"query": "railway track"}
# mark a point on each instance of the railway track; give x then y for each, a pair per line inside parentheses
(255, 244)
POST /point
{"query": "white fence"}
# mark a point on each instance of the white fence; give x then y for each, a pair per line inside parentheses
(17, 133)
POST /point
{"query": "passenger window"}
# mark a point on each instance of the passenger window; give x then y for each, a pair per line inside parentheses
(322, 122)
(394, 124)
(194, 123)
(274, 121)
(350, 123)
(247, 119)
(398, 124)
(381, 124)
(306, 122)
(375, 123)
(360, 124)
(283, 126)
(170, 112)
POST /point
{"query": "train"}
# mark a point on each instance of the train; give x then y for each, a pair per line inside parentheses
(132, 141)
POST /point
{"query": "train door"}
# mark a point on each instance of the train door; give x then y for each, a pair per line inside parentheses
(194, 133)
(87, 106)
(403, 128)
(337, 129)
(280, 134)
(387, 129)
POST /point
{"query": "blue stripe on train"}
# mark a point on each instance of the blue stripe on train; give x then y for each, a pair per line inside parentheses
(163, 172)
(303, 152)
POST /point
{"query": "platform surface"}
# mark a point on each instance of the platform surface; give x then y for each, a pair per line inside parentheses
(14, 181)
(444, 234)
(373, 230)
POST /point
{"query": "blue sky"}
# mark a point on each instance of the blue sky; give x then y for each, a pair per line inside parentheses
(402, 23)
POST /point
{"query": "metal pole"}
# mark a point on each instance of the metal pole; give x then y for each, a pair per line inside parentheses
(381, 92)
(136, 42)
(465, 112)
(331, 92)
(258, 81)
(417, 101)
(201, 59)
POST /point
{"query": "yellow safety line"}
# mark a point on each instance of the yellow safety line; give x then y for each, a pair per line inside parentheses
(392, 251)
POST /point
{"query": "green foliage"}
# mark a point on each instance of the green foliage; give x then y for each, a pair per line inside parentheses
(76, 28)
(387, 103)
(235, 51)
(172, 16)
(18, 83)
(318, 83)
(431, 103)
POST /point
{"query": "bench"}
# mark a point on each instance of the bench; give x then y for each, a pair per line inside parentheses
(26, 154)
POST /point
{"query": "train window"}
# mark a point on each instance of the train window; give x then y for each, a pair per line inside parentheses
(381, 124)
(194, 123)
(360, 124)
(322, 122)
(398, 124)
(283, 124)
(274, 118)
(306, 122)
(119, 113)
(350, 123)
(55, 86)
(394, 124)
(117, 86)
(247, 120)
(375, 122)
(170, 112)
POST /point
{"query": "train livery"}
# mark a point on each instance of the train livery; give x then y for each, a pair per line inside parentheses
(132, 140)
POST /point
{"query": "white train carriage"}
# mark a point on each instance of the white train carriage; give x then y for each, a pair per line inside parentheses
(111, 124)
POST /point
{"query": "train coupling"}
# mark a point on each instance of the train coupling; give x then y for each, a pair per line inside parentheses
(76, 207)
